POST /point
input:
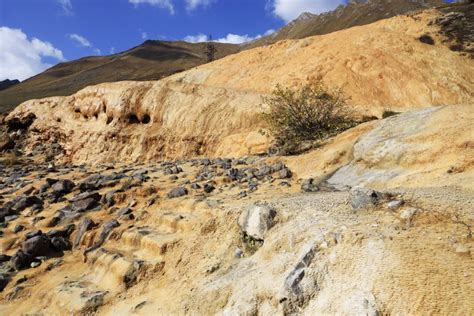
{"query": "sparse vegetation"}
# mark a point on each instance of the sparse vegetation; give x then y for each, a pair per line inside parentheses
(311, 114)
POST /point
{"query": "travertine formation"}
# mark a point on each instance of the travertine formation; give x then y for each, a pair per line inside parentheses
(212, 110)
(377, 220)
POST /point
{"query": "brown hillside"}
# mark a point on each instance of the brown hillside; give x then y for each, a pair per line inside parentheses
(151, 60)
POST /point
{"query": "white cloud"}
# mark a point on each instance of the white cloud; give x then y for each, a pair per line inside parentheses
(196, 38)
(144, 35)
(290, 9)
(21, 58)
(81, 40)
(164, 4)
(112, 50)
(97, 51)
(229, 39)
(66, 5)
(193, 4)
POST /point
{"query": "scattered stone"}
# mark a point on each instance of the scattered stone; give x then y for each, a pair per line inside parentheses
(85, 225)
(20, 260)
(61, 243)
(256, 220)
(4, 258)
(3, 281)
(308, 185)
(177, 192)
(393, 205)
(408, 214)
(63, 187)
(285, 173)
(18, 228)
(37, 246)
(35, 264)
(33, 233)
(238, 253)
(124, 211)
(364, 198)
(208, 188)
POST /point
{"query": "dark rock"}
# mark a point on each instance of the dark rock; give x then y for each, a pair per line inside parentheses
(177, 192)
(124, 211)
(33, 233)
(208, 188)
(5, 258)
(308, 185)
(18, 228)
(21, 260)
(108, 198)
(61, 243)
(195, 186)
(17, 123)
(63, 187)
(54, 221)
(85, 225)
(50, 181)
(66, 232)
(37, 246)
(106, 229)
(27, 201)
(84, 205)
(285, 173)
(4, 279)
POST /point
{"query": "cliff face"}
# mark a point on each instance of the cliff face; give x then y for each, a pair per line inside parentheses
(212, 109)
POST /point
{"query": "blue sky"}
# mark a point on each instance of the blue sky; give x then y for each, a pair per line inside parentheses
(36, 34)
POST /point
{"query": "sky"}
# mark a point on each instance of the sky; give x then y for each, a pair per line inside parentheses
(37, 34)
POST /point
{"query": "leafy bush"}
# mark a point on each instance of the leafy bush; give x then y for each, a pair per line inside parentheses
(309, 114)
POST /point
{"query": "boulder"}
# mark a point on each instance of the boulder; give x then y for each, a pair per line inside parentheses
(21, 260)
(364, 198)
(177, 192)
(256, 220)
(62, 187)
(61, 243)
(208, 188)
(37, 246)
(308, 185)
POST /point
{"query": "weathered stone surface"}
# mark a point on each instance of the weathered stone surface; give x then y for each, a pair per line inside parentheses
(37, 246)
(256, 220)
(308, 185)
(364, 198)
(85, 225)
(63, 187)
(177, 192)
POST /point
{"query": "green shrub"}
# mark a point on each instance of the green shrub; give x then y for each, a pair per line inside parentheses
(306, 115)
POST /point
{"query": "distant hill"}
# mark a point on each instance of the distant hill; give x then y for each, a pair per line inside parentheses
(151, 60)
(357, 12)
(7, 83)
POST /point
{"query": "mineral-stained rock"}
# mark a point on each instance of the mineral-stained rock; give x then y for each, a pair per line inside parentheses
(85, 225)
(256, 220)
